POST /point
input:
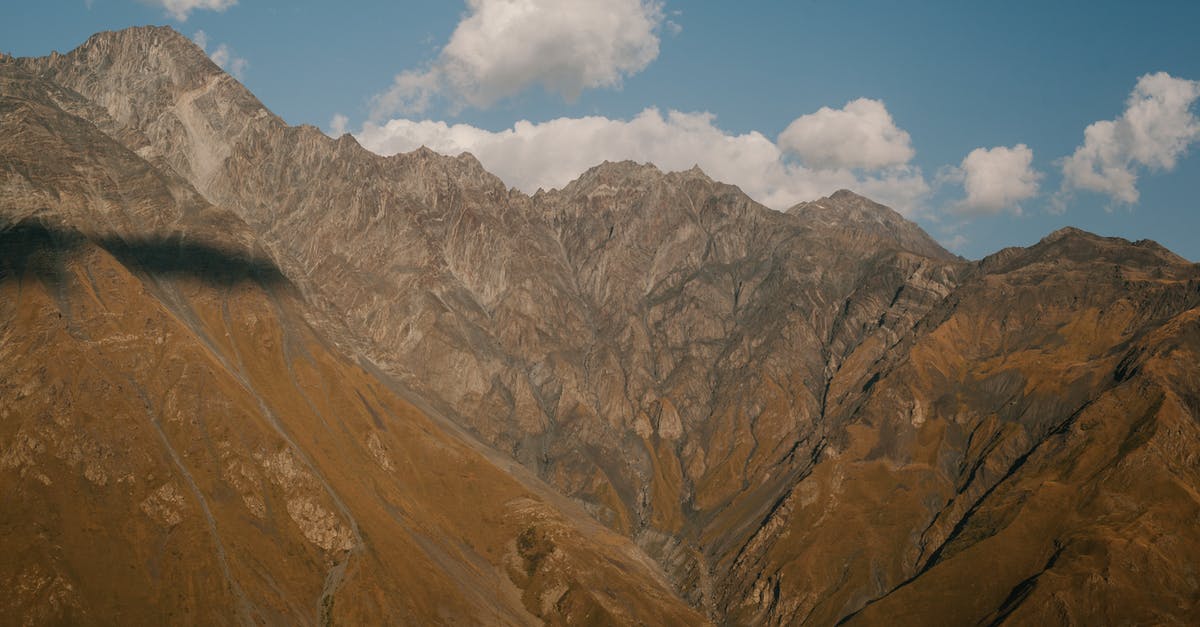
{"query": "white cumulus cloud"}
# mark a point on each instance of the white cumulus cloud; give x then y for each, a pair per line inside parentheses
(996, 179)
(861, 134)
(502, 47)
(179, 9)
(1155, 130)
(552, 153)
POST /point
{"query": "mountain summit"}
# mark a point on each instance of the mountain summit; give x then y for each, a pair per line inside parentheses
(848, 212)
(288, 380)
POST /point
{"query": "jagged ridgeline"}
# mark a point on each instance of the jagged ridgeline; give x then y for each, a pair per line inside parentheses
(252, 373)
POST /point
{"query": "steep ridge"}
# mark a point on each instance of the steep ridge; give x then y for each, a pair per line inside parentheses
(179, 445)
(856, 217)
(806, 417)
(719, 326)
(612, 363)
(1026, 454)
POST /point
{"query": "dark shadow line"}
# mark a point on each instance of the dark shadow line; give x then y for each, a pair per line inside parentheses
(32, 246)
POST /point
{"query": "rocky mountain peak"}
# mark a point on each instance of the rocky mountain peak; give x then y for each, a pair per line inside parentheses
(181, 372)
(845, 195)
(613, 174)
(419, 167)
(845, 207)
(465, 161)
(629, 172)
(160, 51)
(646, 190)
(1077, 245)
(1066, 232)
(847, 211)
(150, 35)
(145, 69)
(1076, 251)
(735, 389)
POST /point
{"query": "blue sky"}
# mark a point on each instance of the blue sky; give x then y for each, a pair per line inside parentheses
(788, 100)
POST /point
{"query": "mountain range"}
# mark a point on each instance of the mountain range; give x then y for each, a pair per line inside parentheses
(255, 374)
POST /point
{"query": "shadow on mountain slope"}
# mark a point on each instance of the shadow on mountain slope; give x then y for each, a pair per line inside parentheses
(31, 246)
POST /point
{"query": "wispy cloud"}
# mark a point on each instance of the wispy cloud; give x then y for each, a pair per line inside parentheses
(222, 55)
(180, 9)
(955, 242)
(338, 124)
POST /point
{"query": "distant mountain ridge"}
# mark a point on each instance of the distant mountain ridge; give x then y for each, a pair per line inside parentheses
(752, 396)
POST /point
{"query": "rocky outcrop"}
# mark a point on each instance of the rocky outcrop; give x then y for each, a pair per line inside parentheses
(1017, 457)
(655, 345)
(805, 417)
(179, 444)
(866, 222)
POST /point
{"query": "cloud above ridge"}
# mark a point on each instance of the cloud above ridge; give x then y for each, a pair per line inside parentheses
(179, 9)
(1155, 130)
(550, 154)
(861, 134)
(502, 47)
(222, 55)
(995, 179)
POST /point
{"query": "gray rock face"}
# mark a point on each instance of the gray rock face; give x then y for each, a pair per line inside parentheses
(854, 216)
(805, 416)
(655, 345)
(179, 443)
(1007, 460)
